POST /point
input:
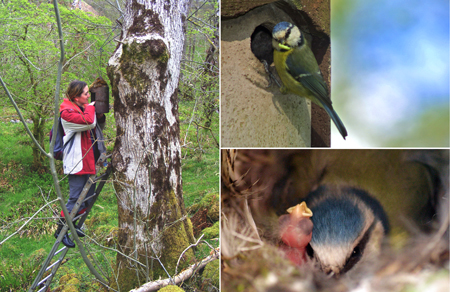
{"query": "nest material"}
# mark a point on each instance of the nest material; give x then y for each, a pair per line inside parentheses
(252, 262)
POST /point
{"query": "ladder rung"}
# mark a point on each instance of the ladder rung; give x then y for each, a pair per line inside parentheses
(45, 279)
(77, 217)
(49, 267)
(63, 248)
(55, 266)
(99, 177)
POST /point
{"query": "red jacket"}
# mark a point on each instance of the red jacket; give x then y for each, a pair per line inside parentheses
(78, 153)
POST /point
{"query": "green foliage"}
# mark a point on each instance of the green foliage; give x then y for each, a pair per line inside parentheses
(209, 202)
(18, 276)
(30, 52)
(199, 81)
(200, 175)
(28, 29)
(107, 9)
(431, 128)
(11, 136)
(23, 193)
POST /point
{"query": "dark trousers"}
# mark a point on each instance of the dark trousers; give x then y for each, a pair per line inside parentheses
(76, 185)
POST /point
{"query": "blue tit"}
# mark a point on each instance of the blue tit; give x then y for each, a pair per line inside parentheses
(298, 69)
(349, 227)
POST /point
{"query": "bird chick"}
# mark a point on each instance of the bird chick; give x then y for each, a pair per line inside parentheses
(296, 232)
(349, 228)
(299, 71)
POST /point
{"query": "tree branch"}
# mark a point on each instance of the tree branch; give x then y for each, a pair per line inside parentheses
(23, 120)
(183, 276)
(31, 218)
(52, 145)
(210, 130)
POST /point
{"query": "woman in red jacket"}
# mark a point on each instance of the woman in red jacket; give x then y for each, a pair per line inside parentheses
(83, 144)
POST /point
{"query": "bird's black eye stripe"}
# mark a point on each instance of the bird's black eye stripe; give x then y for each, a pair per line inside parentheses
(288, 32)
(309, 251)
(301, 41)
(358, 251)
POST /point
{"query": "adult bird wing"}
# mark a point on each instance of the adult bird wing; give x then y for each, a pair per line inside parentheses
(303, 68)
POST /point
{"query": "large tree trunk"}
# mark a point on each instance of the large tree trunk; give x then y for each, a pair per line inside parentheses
(144, 72)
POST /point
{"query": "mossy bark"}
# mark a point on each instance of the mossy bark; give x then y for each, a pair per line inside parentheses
(144, 72)
(39, 159)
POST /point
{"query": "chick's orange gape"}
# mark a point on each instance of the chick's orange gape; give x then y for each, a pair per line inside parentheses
(296, 232)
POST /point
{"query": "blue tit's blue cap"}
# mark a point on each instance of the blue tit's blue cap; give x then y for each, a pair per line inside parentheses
(336, 221)
(281, 26)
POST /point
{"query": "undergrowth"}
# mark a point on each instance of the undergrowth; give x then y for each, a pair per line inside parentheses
(23, 193)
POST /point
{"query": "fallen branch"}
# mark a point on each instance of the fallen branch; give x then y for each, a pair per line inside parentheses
(184, 251)
(183, 276)
(31, 218)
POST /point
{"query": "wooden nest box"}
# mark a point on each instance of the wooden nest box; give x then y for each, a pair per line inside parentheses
(100, 94)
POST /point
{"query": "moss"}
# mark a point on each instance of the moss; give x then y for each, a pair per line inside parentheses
(173, 237)
(174, 241)
(72, 285)
(213, 212)
(38, 255)
(212, 232)
(66, 278)
(209, 199)
(189, 230)
(68, 283)
(112, 236)
(103, 229)
(211, 274)
(135, 55)
(164, 58)
(210, 202)
(171, 288)
(99, 219)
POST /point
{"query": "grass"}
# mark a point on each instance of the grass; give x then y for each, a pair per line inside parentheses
(23, 192)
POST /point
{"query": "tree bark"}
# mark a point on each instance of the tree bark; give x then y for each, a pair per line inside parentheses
(144, 72)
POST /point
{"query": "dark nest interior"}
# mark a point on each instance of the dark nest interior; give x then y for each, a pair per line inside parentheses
(408, 188)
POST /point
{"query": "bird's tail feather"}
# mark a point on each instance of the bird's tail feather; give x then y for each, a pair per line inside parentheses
(337, 121)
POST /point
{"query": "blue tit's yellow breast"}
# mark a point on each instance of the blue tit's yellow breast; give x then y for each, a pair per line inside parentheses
(289, 82)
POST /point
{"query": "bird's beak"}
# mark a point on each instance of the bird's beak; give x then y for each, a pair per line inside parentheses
(283, 47)
(300, 211)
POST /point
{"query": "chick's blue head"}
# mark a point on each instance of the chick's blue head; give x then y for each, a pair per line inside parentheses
(336, 222)
(349, 227)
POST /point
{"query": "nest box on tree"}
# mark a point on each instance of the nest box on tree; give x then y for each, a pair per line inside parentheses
(100, 94)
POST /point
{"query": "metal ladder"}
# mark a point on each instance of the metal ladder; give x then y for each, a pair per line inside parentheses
(42, 283)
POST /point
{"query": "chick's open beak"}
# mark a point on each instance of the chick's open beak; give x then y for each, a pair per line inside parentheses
(296, 232)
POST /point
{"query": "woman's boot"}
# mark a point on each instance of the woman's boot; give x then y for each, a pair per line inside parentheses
(66, 239)
(80, 233)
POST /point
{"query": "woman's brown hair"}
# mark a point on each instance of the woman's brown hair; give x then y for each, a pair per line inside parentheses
(75, 89)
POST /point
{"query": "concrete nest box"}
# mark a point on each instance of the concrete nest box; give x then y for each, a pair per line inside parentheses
(254, 113)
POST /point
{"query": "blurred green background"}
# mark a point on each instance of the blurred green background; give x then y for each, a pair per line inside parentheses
(390, 72)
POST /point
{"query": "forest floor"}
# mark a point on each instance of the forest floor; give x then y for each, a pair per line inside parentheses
(23, 192)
